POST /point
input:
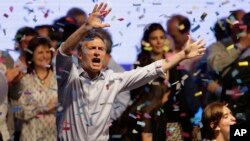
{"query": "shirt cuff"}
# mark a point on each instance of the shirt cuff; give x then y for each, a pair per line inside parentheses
(158, 67)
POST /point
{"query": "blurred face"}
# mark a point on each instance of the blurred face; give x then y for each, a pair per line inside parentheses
(92, 55)
(156, 40)
(81, 19)
(42, 56)
(178, 38)
(225, 122)
(25, 41)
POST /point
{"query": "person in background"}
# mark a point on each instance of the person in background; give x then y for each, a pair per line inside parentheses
(235, 78)
(22, 38)
(178, 28)
(160, 117)
(216, 119)
(8, 74)
(78, 15)
(38, 96)
(91, 90)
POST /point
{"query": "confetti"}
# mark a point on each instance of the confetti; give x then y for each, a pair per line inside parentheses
(66, 128)
(146, 115)
(28, 50)
(198, 93)
(239, 81)
(197, 72)
(137, 4)
(134, 131)
(95, 113)
(120, 33)
(4, 32)
(243, 63)
(5, 15)
(148, 48)
(11, 8)
(230, 47)
(112, 19)
(244, 89)
(240, 116)
(27, 93)
(116, 136)
(115, 45)
(158, 3)
(184, 77)
(203, 16)
(158, 113)
(235, 72)
(128, 24)
(90, 122)
(131, 115)
(60, 108)
(46, 14)
(141, 123)
(195, 28)
(210, 3)
(140, 17)
(120, 19)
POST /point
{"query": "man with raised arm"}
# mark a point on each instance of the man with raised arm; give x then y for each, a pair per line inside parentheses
(86, 94)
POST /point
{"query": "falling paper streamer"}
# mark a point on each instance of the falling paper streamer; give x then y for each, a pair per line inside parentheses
(230, 47)
(116, 136)
(235, 72)
(141, 123)
(203, 16)
(198, 93)
(147, 116)
(128, 24)
(195, 28)
(27, 50)
(134, 131)
(243, 63)
(131, 115)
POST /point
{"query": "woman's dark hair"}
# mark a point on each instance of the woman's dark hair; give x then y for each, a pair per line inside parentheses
(144, 56)
(212, 114)
(33, 44)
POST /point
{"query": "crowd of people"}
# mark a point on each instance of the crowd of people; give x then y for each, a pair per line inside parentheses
(66, 86)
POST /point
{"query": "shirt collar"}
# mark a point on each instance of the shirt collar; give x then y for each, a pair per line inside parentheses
(83, 73)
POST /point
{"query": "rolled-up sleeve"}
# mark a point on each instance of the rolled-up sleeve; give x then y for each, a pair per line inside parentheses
(140, 76)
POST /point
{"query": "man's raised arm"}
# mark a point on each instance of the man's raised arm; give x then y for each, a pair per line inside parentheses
(93, 21)
(191, 50)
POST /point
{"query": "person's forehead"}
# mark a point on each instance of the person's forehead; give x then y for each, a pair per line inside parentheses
(95, 42)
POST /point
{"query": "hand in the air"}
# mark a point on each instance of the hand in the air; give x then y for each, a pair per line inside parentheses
(99, 11)
(194, 49)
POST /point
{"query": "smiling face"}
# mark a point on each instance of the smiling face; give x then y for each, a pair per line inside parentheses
(156, 40)
(42, 56)
(91, 55)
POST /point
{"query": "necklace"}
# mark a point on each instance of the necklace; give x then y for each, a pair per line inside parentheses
(42, 80)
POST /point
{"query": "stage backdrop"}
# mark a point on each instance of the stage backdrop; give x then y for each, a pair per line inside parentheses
(127, 19)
